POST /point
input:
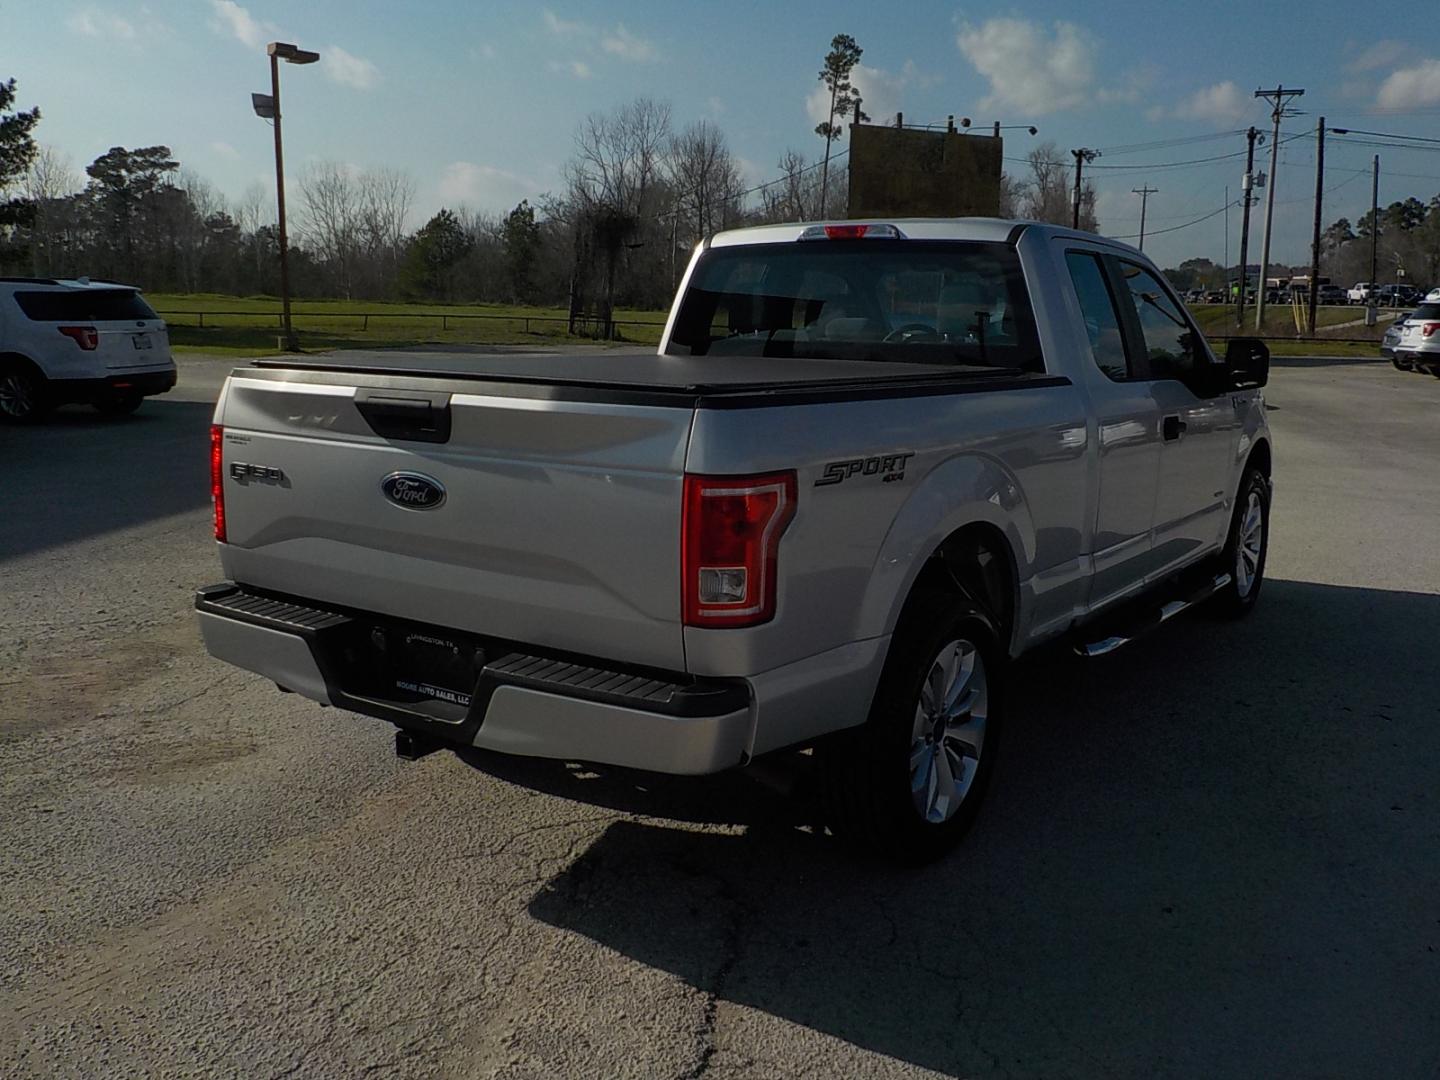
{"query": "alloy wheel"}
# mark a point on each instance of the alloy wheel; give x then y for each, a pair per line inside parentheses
(948, 736)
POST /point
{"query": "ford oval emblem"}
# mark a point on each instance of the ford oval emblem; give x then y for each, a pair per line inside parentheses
(413, 491)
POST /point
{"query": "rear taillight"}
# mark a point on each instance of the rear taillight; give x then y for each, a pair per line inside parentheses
(1429, 328)
(730, 533)
(87, 337)
(217, 478)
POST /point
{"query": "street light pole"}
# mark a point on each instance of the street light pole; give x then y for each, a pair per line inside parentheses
(270, 110)
(290, 344)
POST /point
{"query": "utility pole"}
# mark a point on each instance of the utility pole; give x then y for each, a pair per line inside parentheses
(1278, 99)
(1370, 308)
(1227, 233)
(1245, 185)
(1144, 193)
(1081, 156)
(1314, 297)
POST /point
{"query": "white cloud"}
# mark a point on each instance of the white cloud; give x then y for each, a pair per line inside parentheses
(577, 68)
(92, 23)
(348, 69)
(881, 93)
(716, 106)
(622, 43)
(484, 51)
(224, 149)
(232, 18)
(1417, 85)
(557, 25)
(1223, 103)
(1028, 68)
(482, 186)
(1382, 54)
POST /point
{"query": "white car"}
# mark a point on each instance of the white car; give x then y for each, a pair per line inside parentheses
(78, 340)
(1433, 296)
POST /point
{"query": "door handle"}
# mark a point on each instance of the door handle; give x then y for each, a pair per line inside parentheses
(1173, 427)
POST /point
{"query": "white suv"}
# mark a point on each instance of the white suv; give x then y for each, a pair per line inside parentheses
(78, 341)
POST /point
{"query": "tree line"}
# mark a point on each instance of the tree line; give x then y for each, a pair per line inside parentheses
(639, 191)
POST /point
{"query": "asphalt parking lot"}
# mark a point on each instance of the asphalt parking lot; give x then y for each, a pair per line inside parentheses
(1215, 853)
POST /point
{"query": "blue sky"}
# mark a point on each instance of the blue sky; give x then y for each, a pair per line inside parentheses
(479, 101)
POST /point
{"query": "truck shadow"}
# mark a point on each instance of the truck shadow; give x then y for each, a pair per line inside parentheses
(1209, 854)
(78, 474)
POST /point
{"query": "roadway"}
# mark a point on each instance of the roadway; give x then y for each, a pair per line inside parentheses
(1212, 853)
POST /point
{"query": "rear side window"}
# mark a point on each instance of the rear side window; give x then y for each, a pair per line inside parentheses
(949, 303)
(1097, 307)
(1426, 311)
(85, 306)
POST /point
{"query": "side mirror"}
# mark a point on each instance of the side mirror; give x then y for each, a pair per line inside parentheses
(1248, 362)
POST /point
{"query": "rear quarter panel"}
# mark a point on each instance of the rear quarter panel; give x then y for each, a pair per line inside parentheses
(1012, 458)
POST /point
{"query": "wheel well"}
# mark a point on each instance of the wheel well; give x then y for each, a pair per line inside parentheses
(10, 359)
(976, 562)
(1260, 458)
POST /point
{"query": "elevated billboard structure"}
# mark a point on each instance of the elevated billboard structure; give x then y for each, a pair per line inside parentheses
(897, 171)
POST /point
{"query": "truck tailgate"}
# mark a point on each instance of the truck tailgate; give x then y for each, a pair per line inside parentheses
(559, 527)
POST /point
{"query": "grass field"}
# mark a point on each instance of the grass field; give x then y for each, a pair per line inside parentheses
(250, 326)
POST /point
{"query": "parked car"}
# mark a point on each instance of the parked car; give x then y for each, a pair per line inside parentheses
(1433, 296)
(1391, 339)
(1215, 296)
(1419, 345)
(78, 341)
(861, 474)
(1360, 292)
(1331, 294)
(1397, 295)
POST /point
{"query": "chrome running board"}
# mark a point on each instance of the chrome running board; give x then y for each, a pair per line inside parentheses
(1155, 618)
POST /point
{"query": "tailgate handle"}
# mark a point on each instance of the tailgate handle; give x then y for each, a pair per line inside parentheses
(414, 418)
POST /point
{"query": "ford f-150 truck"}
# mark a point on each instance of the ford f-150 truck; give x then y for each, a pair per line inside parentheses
(870, 464)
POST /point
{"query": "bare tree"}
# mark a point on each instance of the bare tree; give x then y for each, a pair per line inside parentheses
(797, 196)
(331, 220)
(188, 223)
(253, 216)
(1047, 195)
(384, 197)
(49, 184)
(614, 203)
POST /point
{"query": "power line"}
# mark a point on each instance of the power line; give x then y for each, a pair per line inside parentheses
(1175, 228)
(1165, 144)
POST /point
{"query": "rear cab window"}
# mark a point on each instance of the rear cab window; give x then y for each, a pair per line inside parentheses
(948, 303)
(84, 305)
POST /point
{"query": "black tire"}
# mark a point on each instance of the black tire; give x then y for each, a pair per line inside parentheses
(1241, 594)
(1399, 366)
(118, 404)
(867, 771)
(24, 396)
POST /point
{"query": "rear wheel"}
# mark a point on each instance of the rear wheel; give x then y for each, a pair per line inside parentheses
(909, 781)
(24, 397)
(118, 404)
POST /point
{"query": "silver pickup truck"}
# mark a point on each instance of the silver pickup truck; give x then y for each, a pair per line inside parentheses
(869, 465)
